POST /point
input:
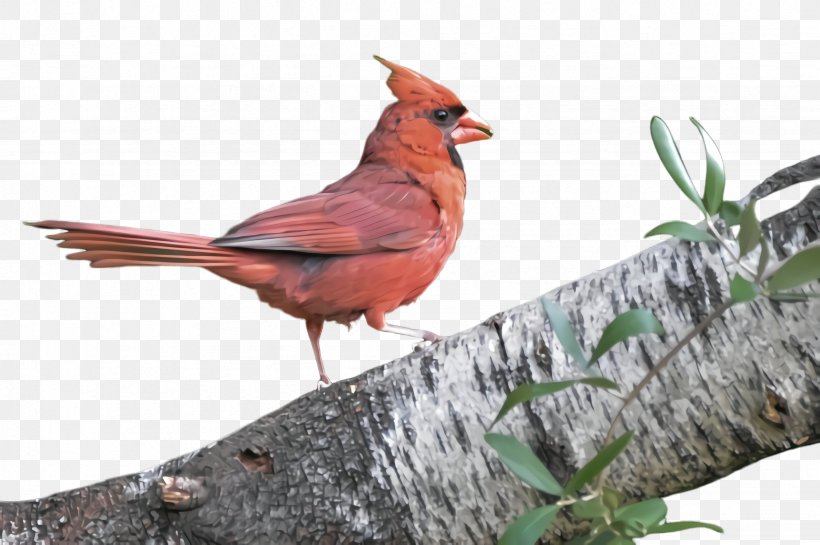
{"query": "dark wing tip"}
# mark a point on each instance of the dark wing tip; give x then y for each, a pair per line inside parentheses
(221, 241)
(235, 242)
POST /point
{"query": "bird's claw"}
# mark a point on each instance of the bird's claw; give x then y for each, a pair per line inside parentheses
(323, 382)
(429, 339)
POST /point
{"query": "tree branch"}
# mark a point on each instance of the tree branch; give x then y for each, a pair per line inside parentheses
(804, 171)
(661, 365)
(396, 454)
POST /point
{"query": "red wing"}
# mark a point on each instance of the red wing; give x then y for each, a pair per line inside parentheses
(394, 216)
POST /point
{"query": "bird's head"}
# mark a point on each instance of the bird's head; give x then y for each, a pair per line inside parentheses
(428, 118)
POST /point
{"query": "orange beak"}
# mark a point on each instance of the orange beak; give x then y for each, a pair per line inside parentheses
(470, 128)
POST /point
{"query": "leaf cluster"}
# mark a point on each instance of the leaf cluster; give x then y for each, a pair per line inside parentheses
(611, 522)
(583, 497)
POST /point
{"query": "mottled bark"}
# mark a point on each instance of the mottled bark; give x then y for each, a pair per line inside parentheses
(396, 455)
(804, 171)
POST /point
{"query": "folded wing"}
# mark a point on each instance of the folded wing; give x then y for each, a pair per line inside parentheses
(358, 220)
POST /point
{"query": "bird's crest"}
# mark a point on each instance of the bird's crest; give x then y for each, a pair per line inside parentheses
(411, 86)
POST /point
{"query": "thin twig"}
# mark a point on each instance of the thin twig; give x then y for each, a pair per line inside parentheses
(633, 395)
(714, 232)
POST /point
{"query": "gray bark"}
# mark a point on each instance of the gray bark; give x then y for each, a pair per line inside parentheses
(396, 455)
(804, 171)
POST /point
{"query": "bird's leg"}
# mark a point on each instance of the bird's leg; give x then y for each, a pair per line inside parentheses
(314, 329)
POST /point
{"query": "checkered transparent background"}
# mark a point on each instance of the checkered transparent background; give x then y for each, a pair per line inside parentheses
(192, 116)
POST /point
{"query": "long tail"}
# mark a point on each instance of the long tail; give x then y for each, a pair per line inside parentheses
(112, 246)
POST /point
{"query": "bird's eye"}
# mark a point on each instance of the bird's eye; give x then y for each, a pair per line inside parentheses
(441, 115)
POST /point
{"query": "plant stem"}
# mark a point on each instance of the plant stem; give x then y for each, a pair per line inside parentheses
(714, 232)
(633, 395)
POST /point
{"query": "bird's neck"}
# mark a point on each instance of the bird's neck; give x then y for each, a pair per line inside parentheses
(438, 168)
(410, 149)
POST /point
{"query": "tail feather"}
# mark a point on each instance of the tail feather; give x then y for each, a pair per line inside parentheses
(114, 246)
(116, 230)
(80, 237)
(134, 246)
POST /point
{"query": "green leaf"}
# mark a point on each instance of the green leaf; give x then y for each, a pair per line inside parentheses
(763, 260)
(633, 529)
(589, 509)
(523, 462)
(742, 290)
(629, 324)
(730, 212)
(528, 528)
(749, 236)
(671, 159)
(642, 515)
(799, 269)
(601, 460)
(715, 174)
(580, 540)
(611, 498)
(606, 537)
(609, 538)
(682, 230)
(682, 525)
(563, 330)
(528, 392)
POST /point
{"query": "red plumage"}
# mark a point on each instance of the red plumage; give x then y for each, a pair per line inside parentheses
(365, 245)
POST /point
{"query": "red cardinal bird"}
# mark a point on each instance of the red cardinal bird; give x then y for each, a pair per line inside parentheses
(364, 245)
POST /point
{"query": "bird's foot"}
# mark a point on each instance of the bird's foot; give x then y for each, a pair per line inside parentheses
(429, 340)
(432, 337)
(323, 382)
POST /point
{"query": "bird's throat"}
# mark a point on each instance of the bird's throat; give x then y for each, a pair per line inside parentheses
(455, 157)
